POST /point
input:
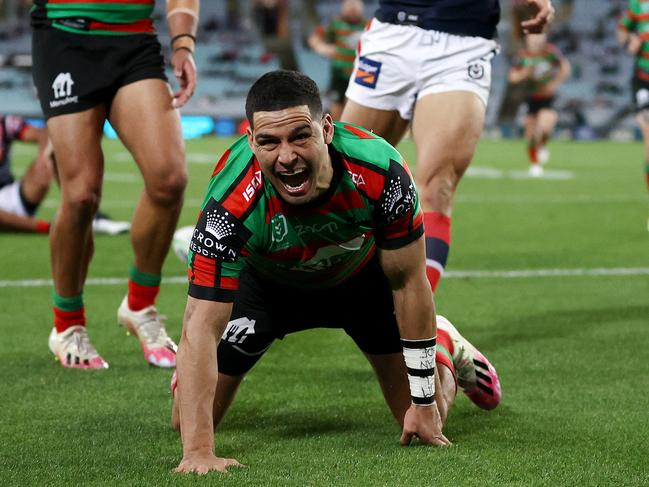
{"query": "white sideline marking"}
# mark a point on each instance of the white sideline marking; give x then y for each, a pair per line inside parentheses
(485, 172)
(585, 199)
(192, 158)
(523, 273)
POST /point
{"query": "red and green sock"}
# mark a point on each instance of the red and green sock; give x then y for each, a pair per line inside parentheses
(68, 311)
(143, 288)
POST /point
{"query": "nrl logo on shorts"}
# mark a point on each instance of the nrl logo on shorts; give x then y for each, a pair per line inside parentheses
(476, 71)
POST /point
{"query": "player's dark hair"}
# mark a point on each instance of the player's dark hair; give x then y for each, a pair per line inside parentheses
(282, 89)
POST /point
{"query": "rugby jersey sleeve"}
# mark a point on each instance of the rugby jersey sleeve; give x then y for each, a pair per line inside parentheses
(218, 247)
(382, 175)
(399, 219)
(629, 19)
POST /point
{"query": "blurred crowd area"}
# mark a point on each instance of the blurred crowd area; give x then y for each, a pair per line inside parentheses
(241, 39)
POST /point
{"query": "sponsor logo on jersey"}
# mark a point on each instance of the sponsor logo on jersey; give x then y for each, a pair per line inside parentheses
(327, 257)
(399, 194)
(367, 72)
(62, 88)
(357, 178)
(218, 234)
(252, 187)
(303, 230)
(476, 71)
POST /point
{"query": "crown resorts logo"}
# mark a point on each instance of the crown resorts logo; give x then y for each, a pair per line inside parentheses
(218, 225)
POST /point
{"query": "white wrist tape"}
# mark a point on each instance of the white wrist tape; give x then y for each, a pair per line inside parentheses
(419, 356)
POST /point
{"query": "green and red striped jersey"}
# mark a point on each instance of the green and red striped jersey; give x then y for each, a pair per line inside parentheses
(636, 19)
(372, 202)
(345, 36)
(104, 17)
(545, 67)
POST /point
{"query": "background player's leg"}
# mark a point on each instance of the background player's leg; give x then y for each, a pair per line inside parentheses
(547, 120)
(643, 121)
(386, 123)
(391, 372)
(36, 182)
(77, 143)
(145, 121)
(446, 128)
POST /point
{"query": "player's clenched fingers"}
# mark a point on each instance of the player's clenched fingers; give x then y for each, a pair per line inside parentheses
(406, 438)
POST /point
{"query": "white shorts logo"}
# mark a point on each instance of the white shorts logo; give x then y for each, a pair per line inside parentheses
(62, 87)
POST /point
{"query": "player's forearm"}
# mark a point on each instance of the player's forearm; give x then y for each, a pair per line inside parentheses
(182, 19)
(197, 377)
(414, 309)
(623, 34)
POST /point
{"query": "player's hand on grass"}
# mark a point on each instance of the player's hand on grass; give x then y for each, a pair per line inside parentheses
(425, 423)
(203, 462)
(185, 71)
(540, 14)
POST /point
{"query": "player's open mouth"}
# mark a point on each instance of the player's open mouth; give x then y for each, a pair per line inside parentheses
(295, 182)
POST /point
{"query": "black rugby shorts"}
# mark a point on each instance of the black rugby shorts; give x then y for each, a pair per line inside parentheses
(264, 311)
(75, 72)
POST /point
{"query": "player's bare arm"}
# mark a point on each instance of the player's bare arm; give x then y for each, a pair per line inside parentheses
(318, 43)
(203, 326)
(182, 19)
(415, 311)
(630, 40)
(539, 13)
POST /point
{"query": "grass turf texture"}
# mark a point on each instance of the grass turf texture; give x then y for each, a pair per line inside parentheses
(571, 351)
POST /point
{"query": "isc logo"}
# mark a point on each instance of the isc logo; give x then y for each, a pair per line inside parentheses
(252, 187)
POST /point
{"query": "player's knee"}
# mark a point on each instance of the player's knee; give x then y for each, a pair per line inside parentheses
(436, 191)
(83, 202)
(168, 189)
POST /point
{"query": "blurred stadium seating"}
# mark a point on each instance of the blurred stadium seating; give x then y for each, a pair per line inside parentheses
(595, 102)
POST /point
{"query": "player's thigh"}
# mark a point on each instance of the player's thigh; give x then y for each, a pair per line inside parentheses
(149, 126)
(547, 119)
(446, 128)
(386, 123)
(76, 139)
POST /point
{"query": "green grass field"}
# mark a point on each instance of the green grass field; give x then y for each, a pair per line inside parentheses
(570, 344)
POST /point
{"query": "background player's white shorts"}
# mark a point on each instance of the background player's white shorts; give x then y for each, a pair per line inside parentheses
(397, 64)
(10, 199)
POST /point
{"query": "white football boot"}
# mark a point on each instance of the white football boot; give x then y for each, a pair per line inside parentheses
(148, 326)
(73, 349)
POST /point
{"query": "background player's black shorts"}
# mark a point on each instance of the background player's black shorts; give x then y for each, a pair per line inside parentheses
(75, 72)
(338, 87)
(535, 105)
(262, 312)
(640, 93)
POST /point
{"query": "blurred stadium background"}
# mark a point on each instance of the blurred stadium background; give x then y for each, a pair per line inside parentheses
(240, 40)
